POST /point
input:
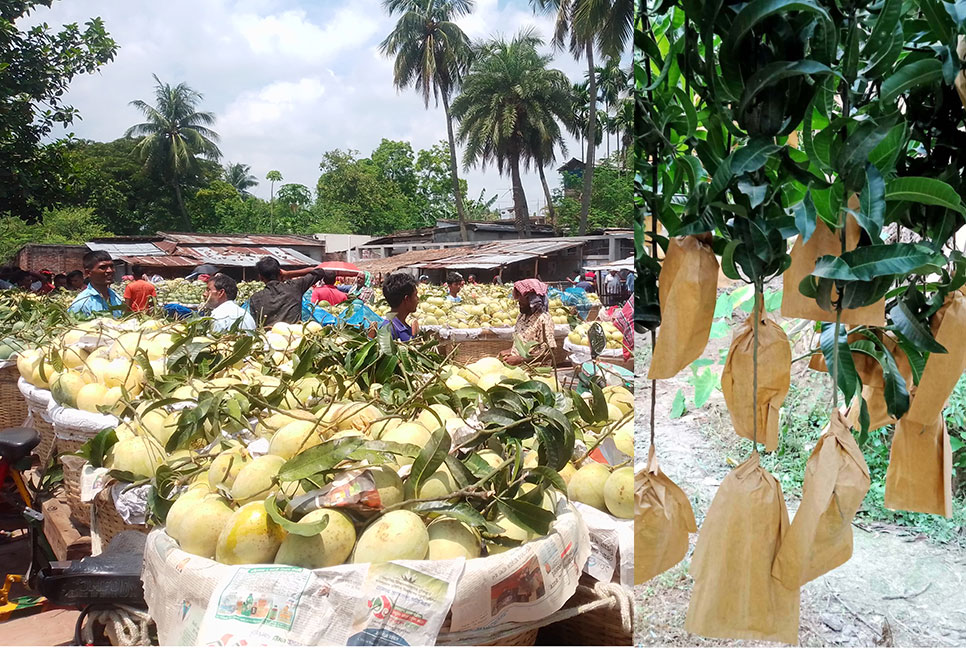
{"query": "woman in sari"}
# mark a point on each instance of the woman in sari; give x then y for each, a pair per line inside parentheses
(534, 324)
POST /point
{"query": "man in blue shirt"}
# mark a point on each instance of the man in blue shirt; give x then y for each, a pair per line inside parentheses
(455, 281)
(98, 296)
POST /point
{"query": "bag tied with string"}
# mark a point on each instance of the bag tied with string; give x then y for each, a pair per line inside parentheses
(919, 477)
(735, 595)
(774, 378)
(662, 521)
(873, 384)
(836, 481)
(688, 288)
(804, 255)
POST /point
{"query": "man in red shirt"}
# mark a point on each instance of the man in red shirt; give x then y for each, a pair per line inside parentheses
(328, 292)
(139, 294)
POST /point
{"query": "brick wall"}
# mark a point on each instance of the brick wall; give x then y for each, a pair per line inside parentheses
(56, 258)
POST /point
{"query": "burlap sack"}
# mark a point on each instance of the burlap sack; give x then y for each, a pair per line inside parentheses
(735, 595)
(688, 290)
(822, 242)
(919, 477)
(836, 481)
(774, 377)
(662, 521)
(942, 369)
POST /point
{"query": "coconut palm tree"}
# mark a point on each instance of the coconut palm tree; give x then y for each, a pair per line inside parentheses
(511, 103)
(273, 176)
(432, 55)
(240, 177)
(593, 26)
(173, 136)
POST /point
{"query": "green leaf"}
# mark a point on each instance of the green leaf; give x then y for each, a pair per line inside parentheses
(884, 156)
(912, 328)
(872, 204)
(703, 385)
(939, 21)
(527, 515)
(583, 409)
(775, 72)
(719, 329)
(922, 72)
(319, 458)
(848, 379)
(928, 191)
(305, 529)
(871, 261)
(429, 460)
(460, 511)
(550, 477)
(599, 403)
(677, 407)
(805, 217)
(97, 448)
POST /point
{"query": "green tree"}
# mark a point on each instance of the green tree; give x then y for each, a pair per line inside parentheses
(175, 134)
(612, 204)
(240, 177)
(36, 68)
(64, 226)
(396, 162)
(509, 101)
(603, 25)
(273, 176)
(432, 54)
(354, 191)
(205, 203)
(434, 188)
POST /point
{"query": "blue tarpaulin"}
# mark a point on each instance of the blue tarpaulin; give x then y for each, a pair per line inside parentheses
(312, 312)
(177, 311)
(573, 296)
(358, 314)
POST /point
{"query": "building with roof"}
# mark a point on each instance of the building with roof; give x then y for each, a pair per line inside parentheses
(448, 231)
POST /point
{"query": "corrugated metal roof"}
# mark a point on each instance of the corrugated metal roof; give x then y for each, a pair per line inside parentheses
(247, 256)
(160, 261)
(242, 239)
(408, 259)
(126, 249)
(501, 253)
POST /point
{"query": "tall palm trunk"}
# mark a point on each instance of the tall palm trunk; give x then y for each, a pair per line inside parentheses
(520, 214)
(185, 219)
(546, 193)
(457, 194)
(591, 140)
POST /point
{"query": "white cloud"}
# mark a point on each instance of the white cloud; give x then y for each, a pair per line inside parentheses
(286, 79)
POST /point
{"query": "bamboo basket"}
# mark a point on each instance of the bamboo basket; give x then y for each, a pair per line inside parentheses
(527, 638)
(13, 407)
(36, 406)
(80, 511)
(484, 347)
(602, 626)
(106, 521)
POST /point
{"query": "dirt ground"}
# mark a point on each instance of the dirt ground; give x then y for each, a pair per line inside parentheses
(898, 588)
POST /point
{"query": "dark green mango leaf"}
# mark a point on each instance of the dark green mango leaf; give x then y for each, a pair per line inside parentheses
(872, 204)
(927, 191)
(924, 72)
(910, 327)
(848, 378)
(871, 261)
(429, 460)
(304, 529)
(527, 515)
(319, 458)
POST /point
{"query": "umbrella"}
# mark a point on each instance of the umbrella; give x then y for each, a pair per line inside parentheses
(204, 268)
(341, 265)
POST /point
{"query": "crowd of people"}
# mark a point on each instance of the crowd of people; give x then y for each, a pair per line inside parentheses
(281, 298)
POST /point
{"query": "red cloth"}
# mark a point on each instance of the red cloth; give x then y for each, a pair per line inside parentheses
(525, 286)
(328, 293)
(137, 294)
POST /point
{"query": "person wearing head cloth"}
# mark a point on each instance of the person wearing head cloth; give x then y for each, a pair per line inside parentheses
(362, 288)
(534, 324)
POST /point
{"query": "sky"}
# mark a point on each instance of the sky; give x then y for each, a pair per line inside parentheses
(286, 79)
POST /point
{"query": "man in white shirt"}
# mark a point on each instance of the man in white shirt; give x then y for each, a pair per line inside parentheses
(220, 300)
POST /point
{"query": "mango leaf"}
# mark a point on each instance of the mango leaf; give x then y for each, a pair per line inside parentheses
(927, 191)
(909, 326)
(599, 403)
(429, 460)
(527, 515)
(848, 378)
(775, 72)
(550, 477)
(922, 72)
(872, 204)
(583, 409)
(304, 529)
(97, 448)
(460, 511)
(939, 21)
(871, 261)
(805, 217)
(319, 458)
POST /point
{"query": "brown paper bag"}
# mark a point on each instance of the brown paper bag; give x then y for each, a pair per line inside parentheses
(735, 596)
(662, 521)
(836, 481)
(919, 477)
(942, 369)
(961, 77)
(774, 376)
(688, 290)
(822, 242)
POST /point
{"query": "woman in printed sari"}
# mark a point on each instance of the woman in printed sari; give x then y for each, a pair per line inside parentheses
(534, 325)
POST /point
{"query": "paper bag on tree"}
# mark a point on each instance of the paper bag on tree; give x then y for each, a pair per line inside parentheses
(804, 255)
(688, 288)
(836, 481)
(774, 377)
(735, 595)
(942, 369)
(662, 521)
(919, 477)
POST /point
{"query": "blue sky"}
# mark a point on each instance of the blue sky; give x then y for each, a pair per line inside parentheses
(286, 79)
